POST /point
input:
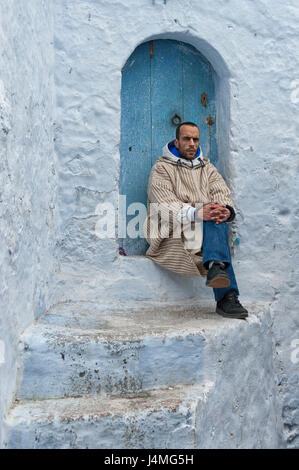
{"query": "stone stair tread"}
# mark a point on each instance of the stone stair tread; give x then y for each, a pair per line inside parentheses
(163, 418)
(119, 322)
(79, 408)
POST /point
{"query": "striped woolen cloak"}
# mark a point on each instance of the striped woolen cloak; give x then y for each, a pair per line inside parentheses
(173, 183)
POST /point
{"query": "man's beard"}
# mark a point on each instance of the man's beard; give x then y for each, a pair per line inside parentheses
(185, 155)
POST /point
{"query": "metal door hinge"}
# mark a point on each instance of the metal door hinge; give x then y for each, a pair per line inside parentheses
(151, 49)
(204, 99)
(209, 120)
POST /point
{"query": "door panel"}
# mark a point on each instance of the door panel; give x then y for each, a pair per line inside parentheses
(167, 93)
(198, 79)
(154, 89)
(135, 148)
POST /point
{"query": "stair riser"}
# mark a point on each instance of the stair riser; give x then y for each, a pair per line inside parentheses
(54, 369)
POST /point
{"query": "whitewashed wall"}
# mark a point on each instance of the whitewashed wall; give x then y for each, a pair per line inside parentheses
(28, 175)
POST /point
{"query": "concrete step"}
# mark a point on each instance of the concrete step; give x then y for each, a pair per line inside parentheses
(179, 376)
(166, 418)
(83, 348)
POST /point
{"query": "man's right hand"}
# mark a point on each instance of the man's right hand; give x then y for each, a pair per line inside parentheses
(213, 211)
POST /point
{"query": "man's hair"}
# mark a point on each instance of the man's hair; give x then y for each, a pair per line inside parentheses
(177, 133)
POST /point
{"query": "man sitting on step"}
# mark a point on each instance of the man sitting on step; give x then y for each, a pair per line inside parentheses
(186, 185)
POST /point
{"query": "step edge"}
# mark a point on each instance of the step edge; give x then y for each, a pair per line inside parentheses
(152, 401)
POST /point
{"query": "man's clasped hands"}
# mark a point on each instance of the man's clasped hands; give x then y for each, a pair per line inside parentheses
(213, 211)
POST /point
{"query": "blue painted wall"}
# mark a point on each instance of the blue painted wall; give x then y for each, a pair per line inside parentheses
(160, 80)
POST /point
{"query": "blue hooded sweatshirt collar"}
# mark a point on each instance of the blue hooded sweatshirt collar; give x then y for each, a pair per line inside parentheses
(175, 152)
(171, 154)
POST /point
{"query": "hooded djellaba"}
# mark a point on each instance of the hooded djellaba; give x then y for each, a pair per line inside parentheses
(177, 186)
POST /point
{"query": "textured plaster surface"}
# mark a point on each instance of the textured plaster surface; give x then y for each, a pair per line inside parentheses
(28, 173)
(253, 47)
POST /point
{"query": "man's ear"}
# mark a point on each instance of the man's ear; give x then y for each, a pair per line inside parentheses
(176, 143)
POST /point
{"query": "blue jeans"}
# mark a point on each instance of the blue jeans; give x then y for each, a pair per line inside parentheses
(215, 247)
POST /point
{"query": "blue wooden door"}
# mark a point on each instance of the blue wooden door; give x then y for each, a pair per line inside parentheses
(161, 80)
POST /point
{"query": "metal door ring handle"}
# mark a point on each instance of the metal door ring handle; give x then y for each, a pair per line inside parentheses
(176, 120)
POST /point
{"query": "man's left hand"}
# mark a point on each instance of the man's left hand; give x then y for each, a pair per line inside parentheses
(220, 213)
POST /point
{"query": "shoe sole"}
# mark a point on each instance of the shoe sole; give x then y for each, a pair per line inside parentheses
(219, 282)
(231, 315)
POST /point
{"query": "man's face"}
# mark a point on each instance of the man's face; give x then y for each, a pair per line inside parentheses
(188, 142)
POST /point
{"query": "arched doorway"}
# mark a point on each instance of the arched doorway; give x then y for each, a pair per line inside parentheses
(163, 82)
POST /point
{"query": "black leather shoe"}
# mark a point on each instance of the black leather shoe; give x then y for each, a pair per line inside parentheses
(229, 306)
(217, 277)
